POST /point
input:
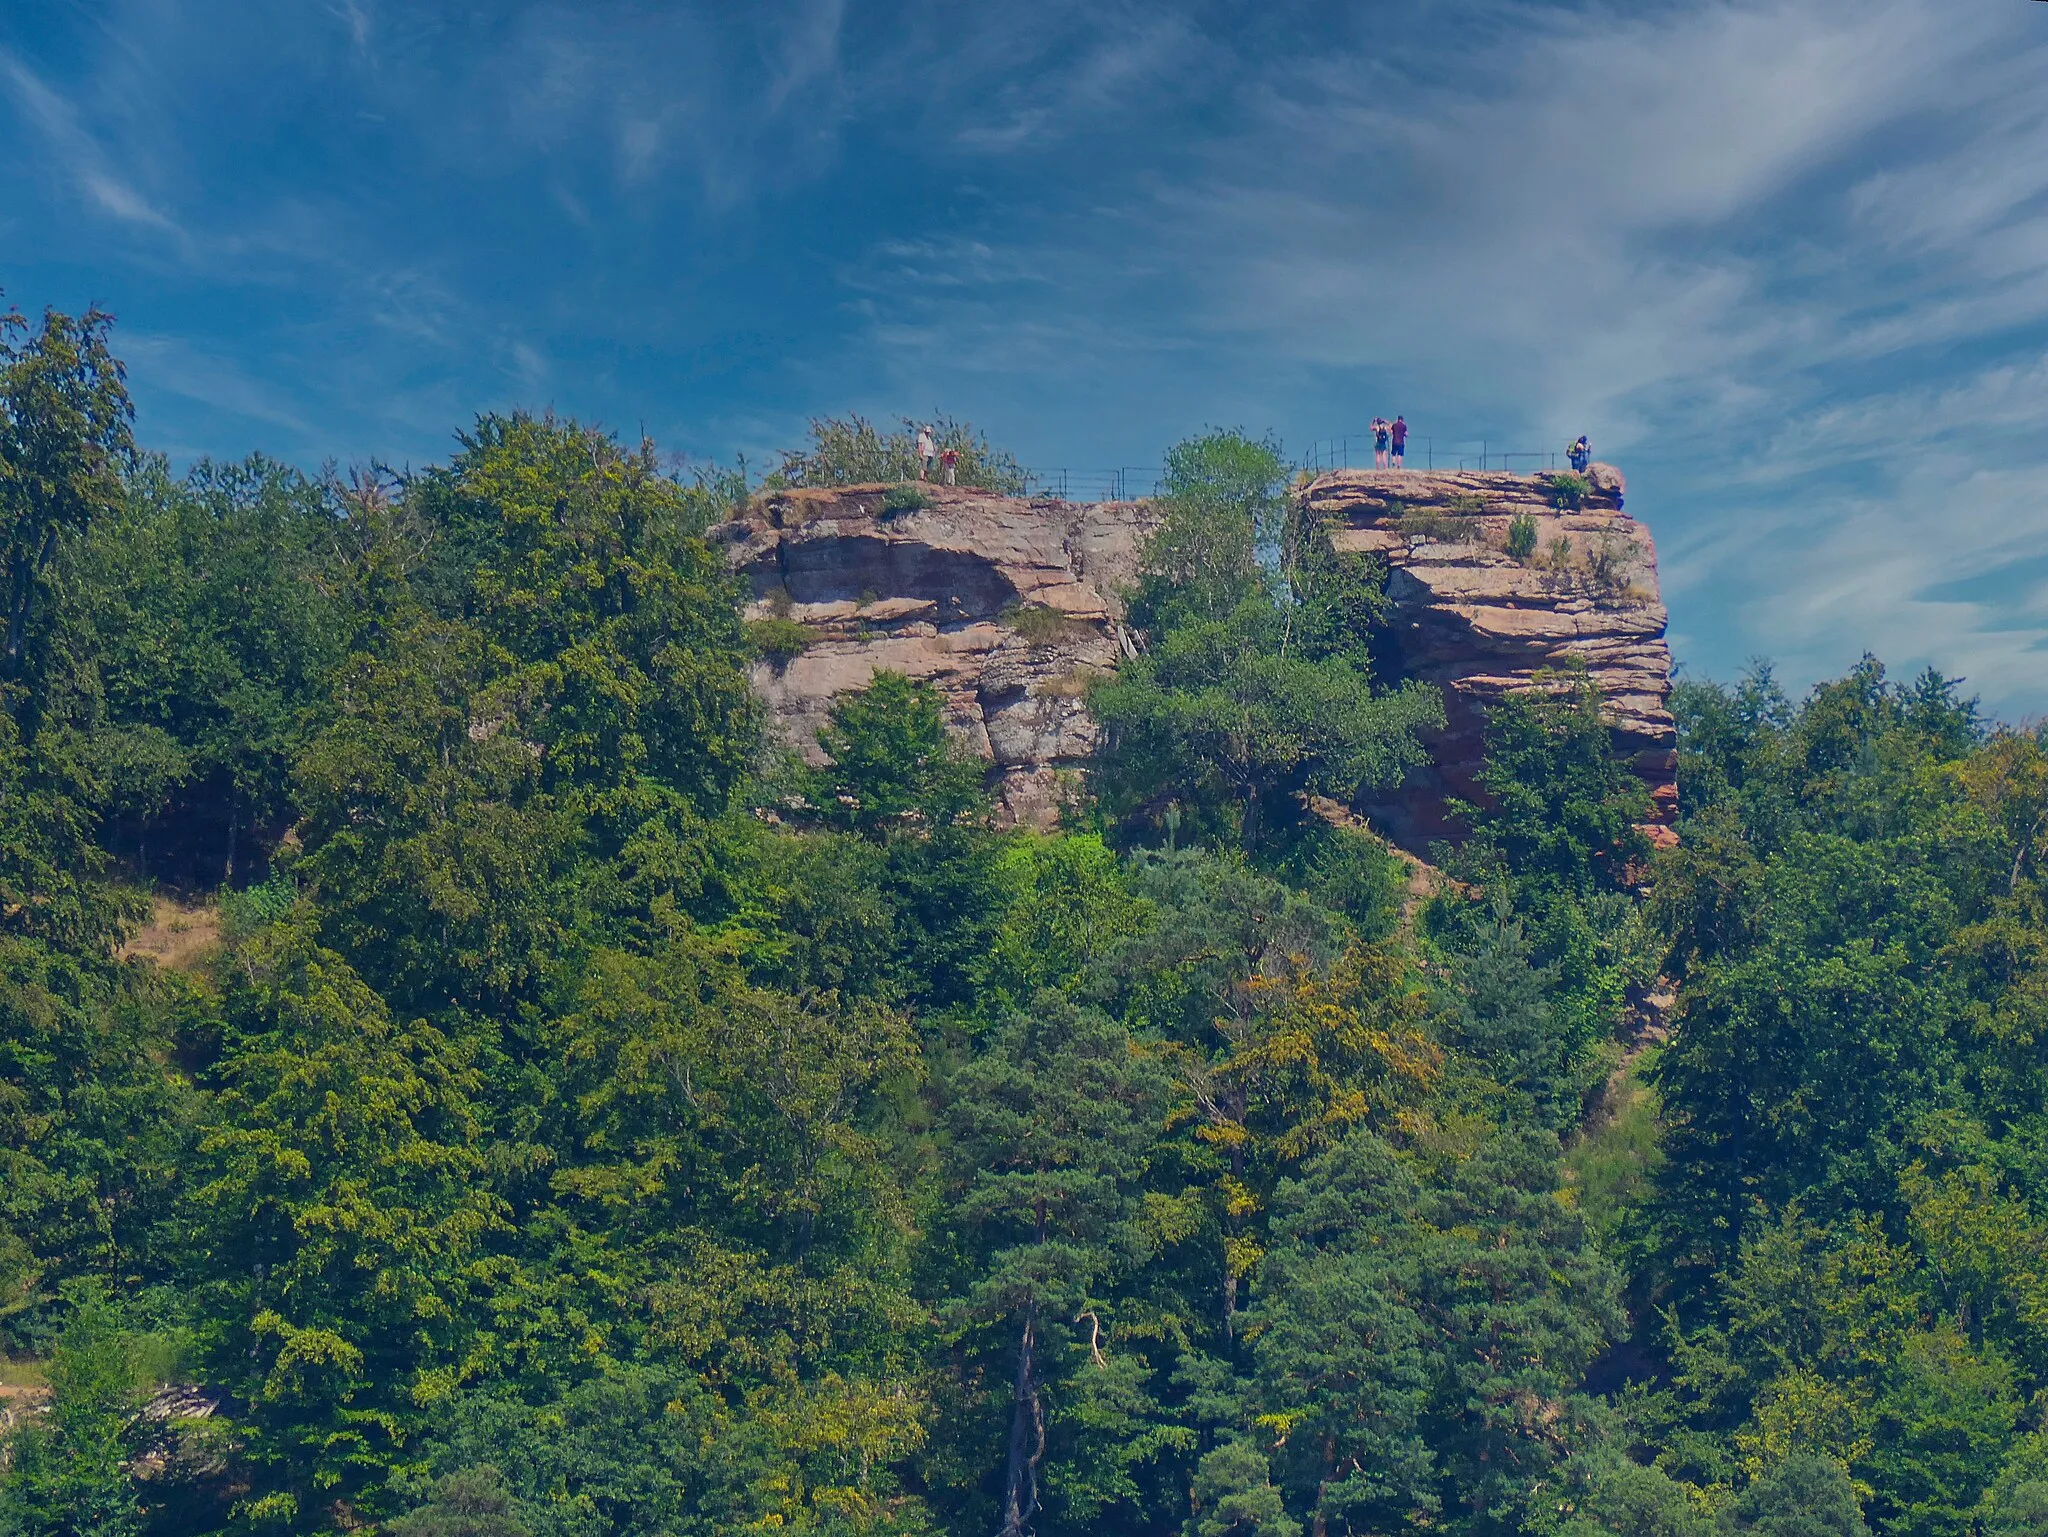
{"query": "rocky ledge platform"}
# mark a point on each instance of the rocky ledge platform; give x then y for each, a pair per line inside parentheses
(1480, 622)
(1006, 605)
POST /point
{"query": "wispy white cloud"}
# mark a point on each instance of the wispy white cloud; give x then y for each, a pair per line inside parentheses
(1001, 99)
(807, 53)
(75, 151)
(529, 366)
(176, 366)
(357, 20)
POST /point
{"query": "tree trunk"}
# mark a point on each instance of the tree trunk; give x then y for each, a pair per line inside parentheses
(1230, 1226)
(24, 573)
(17, 608)
(1319, 1522)
(1027, 1435)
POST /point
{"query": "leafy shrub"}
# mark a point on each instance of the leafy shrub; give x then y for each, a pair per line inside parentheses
(471, 1503)
(68, 1464)
(1611, 562)
(1340, 597)
(718, 493)
(1351, 872)
(905, 497)
(1441, 529)
(1037, 623)
(1569, 490)
(1802, 1495)
(1467, 504)
(893, 762)
(1522, 536)
(852, 451)
(778, 638)
(1221, 496)
(243, 912)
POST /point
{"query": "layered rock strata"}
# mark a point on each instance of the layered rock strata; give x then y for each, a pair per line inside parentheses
(1007, 606)
(1480, 622)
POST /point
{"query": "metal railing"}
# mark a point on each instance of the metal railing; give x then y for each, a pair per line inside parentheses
(1352, 452)
(1355, 451)
(1124, 484)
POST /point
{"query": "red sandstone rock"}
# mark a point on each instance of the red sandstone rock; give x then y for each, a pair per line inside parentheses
(1479, 623)
(925, 592)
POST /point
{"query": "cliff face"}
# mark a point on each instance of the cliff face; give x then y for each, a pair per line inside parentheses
(1479, 622)
(1007, 606)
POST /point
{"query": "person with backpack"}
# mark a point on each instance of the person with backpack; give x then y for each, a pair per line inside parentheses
(1399, 433)
(1382, 434)
(1580, 454)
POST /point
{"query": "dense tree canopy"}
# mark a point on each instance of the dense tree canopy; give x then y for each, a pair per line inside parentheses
(555, 1113)
(1226, 717)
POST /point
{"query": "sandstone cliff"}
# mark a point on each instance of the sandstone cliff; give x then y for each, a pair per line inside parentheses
(1478, 622)
(1006, 605)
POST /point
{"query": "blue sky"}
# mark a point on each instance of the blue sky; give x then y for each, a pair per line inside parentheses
(1787, 263)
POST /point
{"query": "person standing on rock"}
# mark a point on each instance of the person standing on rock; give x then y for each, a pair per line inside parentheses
(1382, 433)
(1399, 433)
(924, 451)
(1580, 454)
(949, 461)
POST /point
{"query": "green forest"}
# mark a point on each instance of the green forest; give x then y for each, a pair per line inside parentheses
(562, 1113)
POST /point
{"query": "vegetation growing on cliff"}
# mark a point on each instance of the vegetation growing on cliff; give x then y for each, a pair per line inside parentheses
(853, 451)
(586, 1124)
(1254, 691)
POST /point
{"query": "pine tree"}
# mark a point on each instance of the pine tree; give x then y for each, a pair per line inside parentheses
(1049, 1128)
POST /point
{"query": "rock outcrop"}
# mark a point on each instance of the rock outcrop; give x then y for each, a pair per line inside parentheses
(1479, 622)
(1006, 605)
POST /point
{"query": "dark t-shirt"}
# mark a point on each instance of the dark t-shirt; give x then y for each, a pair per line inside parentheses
(1400, 434)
